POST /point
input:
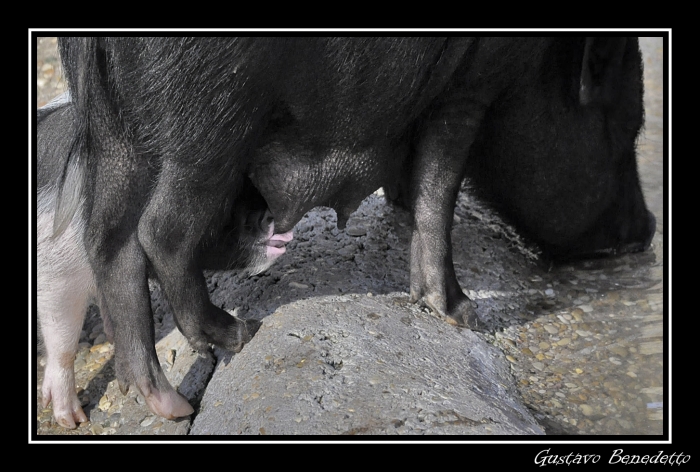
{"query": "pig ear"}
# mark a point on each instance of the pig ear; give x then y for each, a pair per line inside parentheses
(600, 71)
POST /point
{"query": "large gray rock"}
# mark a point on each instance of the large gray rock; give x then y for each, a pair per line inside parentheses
(354, 364)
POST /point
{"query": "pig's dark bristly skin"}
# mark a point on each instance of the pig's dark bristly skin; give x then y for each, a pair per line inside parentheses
(241, 238)
(168, 128)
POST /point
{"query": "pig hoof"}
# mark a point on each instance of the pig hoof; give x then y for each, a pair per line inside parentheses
(245, 330)
(68, 416)
(66, 407)
(164, 401)
(467, 320)
(169, 404)
(220, 328)
(70, 419)
(462, 315)
(161, 398)
(67, 412)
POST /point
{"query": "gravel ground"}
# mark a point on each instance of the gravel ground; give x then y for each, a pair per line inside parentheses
(585, 341)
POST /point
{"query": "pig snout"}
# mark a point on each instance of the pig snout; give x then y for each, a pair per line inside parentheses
(275, 243)
(608, 238)
(641, 241)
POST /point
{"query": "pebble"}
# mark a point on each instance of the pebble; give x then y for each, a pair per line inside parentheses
(654, 330)
(148, 421)
(356, 231)
(649, 348)
(104, 403)
(652, 391)
(618, 350)
(551, 329)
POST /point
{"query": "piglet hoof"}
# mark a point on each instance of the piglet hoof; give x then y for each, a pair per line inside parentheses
(220, 328)
(66, 411)
(59, 389)
(245, 330)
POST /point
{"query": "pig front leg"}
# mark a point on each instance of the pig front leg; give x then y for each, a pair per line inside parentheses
(438, 169)
(170, 230)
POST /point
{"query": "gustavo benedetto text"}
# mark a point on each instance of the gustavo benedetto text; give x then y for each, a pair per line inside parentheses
(618, 456)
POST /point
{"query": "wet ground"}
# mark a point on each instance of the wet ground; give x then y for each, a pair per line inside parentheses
(585, 341)
(593, 359)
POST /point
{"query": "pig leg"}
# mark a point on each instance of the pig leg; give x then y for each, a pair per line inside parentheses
(65, 285)
(439, 164)
(120, 266)
(126, 302)
(170, 230)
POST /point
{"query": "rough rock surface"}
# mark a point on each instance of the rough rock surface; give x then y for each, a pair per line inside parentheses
(352, 364)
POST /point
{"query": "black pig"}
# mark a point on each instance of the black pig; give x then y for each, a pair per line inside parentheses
(66, 283)
(167, 129)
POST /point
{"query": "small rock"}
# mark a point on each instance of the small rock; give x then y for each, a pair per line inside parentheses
(587, 409)
(356, 231)
(654, 347)
(104, 403)
(148, 421)
(551, 329)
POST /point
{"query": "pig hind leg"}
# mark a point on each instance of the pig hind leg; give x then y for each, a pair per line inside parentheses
(65, 285)
(120, 265)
